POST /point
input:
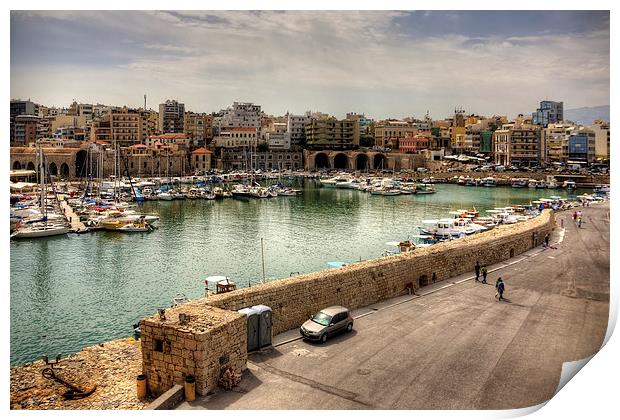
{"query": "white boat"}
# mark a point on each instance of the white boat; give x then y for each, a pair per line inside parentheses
(331, 182)
(135, 227)
(165, 196)
(489, 181)
(40, 230)
(551, 182)
(442, 228)
(532, 183)
(179, 299)
(385, 191)
(541, 184)
(601, 189)
(569, 184)
(518, 182)
(425, 189)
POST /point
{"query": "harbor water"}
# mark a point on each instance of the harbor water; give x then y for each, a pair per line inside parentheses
(72, 291)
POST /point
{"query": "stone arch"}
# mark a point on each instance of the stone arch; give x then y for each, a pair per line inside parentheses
(53, 169)
(321, 161)
(17, 165)
(80, 164)
(361, 162)
(341, 161)
(380, 162)
(64, 171)
(30, 166)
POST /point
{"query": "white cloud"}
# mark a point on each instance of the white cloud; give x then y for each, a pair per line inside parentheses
(334, 61)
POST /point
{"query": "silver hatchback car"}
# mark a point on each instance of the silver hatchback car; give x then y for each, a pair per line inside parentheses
(326, 323)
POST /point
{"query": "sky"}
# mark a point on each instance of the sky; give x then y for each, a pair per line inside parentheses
(381, 63)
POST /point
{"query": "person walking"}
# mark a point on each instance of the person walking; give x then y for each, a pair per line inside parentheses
(483, 270)
(547, 240)
(499, 285)
(579, 221)
(574, 216)
(477, 270)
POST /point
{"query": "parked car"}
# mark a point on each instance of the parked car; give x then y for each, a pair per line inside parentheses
(326, 323)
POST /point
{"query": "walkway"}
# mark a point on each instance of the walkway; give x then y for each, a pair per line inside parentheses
(76, 225)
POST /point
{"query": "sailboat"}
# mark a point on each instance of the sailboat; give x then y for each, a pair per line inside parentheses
(45, 227)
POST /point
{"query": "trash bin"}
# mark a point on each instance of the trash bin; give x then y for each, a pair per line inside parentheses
(141, 386)
(265, 324)
(252, 331)
(190, 388)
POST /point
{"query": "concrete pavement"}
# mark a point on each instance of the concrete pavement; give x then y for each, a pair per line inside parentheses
(453, 347)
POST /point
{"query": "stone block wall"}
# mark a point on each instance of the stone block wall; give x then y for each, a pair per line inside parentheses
(212, 340)
(368, 282)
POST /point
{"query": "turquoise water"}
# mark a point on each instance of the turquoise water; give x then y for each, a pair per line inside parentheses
(78, 290)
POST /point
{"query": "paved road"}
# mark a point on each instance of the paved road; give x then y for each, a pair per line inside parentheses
(454, 348)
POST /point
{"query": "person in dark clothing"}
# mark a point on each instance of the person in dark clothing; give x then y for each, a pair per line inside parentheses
(483, 270)
(477, 269)
(500, 288)
(547, 240)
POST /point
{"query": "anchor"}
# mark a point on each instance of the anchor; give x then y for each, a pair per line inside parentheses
(74, 393)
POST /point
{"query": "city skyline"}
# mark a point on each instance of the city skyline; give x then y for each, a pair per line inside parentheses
(384, 64)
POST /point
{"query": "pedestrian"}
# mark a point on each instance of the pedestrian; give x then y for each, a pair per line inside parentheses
(477, 269)
(574, 216)
(483, 270)
(499, 285)
(547, 240)
(579, 221)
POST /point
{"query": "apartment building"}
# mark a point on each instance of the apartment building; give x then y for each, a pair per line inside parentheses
(601, 139)
(237, 137)
(517, 144)
(25, 129)
(582, 146)
(240, 115)
(325, 132)
(296, 126)
(125, 127)
(171, 117)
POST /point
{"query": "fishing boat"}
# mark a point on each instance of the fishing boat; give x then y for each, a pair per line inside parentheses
(386, 191)
(532, 183)
(219, 284)
(166, 196)
(518, 183)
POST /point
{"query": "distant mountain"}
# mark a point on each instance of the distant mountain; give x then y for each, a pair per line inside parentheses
(587, 115)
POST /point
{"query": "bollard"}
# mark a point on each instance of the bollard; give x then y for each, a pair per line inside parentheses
(141, 386)
(190, 388)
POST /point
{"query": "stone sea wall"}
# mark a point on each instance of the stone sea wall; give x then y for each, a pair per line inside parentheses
(216, 338)
(294, 299)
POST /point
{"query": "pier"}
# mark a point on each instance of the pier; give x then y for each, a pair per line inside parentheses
(76, 225)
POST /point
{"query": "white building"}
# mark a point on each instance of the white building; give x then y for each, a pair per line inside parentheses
(296, 126)
(240, 115)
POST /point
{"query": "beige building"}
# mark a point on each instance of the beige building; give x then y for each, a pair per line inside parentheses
(237, 137)
(601, 139)
(200, 160)
(389, 133)
(328, 132)
(517, 144)
(198, 127)
(125, 127)
(555, 142)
